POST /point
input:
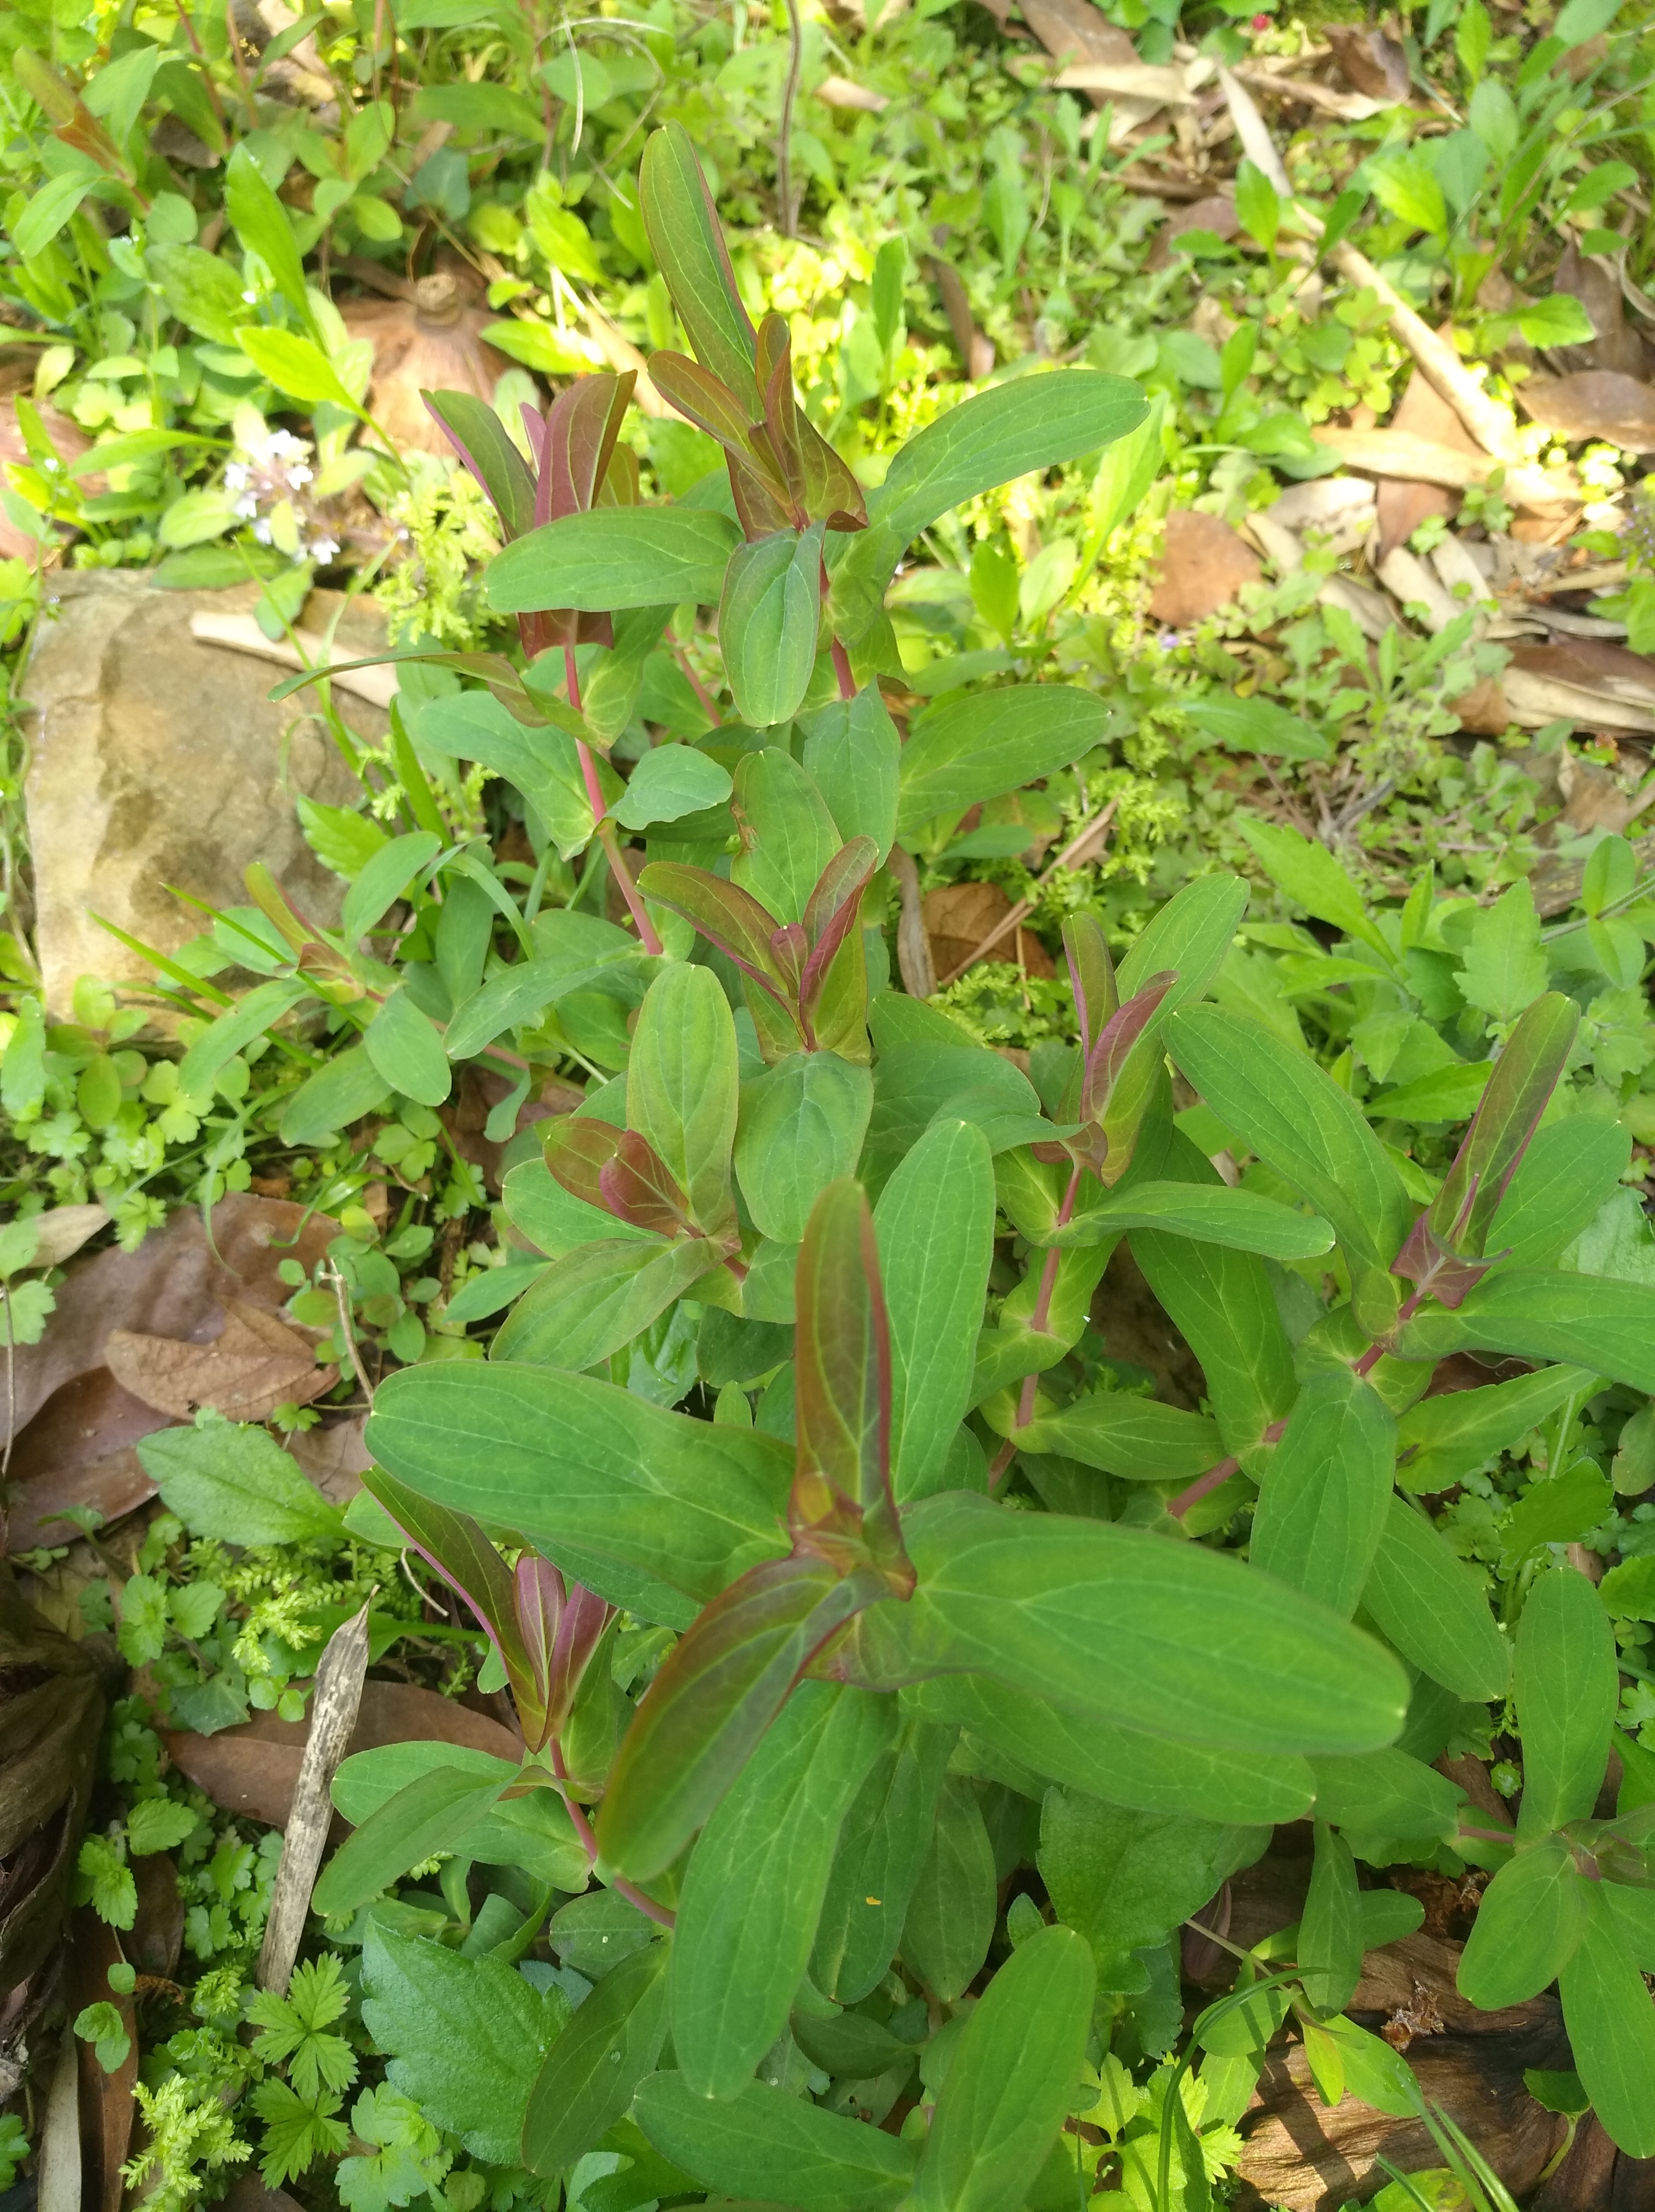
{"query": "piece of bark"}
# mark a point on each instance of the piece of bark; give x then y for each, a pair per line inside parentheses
(858, 99)
(106, 2099)
(960, 916)
(340, 1673)
(1300, 2155)
(1203, 565)
(253, 1769)
(255, 1364)
(1369, 59)
(58, 2176)
(1594, 403)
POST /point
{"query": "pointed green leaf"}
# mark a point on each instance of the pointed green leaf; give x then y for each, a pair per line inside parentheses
(1330, 1932)
(801, 1128)
(949, 1921)
(1386, 1792)
(588, 2076)
(1312, 879)
(1524, 1076)
(1326, 1491)
(230, 1033)
(1444, 1438)
(1121, 1765)
(1121, 1878)
(853, 755)
(767, 618)
(770, 2146)
(532, 1831)
(540, 761)
(1012, 2079)
(978, 745)
(1239, 1219)
(684, 236)
(484, 444)
(1127, 1436)
(405, 1047)
(789, 836)
(1433, 1609)
(260, 221)
(1608, 2011)
(1168, 1637)
(935, 1225)
(707, 1709)
(1571, 1170)
(682, 1080)
(597, 1299)
(753, 1892)
(433, 1814)
(1595, 1322)
(614, 557)
(882, 1845)
(1221, 1303)
(1568, 1692)
(1298, 1120)
(581, 1467)
(1529, 1926)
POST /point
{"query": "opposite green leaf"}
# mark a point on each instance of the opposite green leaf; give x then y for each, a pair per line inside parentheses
(1529, 1926)
(1568, 1692)
(1433, 1608)
(614, 557)
(768, 2145)
(587, 2079)
(1322, 1505)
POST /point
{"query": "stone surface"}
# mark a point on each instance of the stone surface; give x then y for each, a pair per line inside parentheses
(159, 760)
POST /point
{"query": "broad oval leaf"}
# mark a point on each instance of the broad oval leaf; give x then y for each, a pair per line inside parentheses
(1529, 1926)
(1433, 1609)
(1259, 725)
(588, 1305)
(588, 2076)
(541, 761)
(767, 618)
(976, 747)
(681, 1085)
(1127, 1436)
(432, 1814)
(614, 557)
(1298, 1120)
(882, 1845)
(801, 1128)
(1163, 1637)
(1442, 1438)
(1612, 2024)
(532, 1831)
(1011, 2080)
(1331, 1931)
(753, 1891)
(587, 1472)
(768, 2145)
(950, 1922)
(1592, 1321)
(1567, 1691)
(1386, 1792)
(1322, 1505)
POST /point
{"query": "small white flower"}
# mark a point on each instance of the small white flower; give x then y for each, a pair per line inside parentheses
(250, 299)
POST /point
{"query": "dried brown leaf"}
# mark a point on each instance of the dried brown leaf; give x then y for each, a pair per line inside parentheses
(960, 916)
(1370, 60)
(861, 99)
(253, 1769)
(258, 1363)
(1204, 563)
(1595, 402)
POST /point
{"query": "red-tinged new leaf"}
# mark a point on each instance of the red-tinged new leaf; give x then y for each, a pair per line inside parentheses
(775, 370)
(457, 1547)
(1524, 1076)
(1121, 1032)
(639, 1187)
(579, 1630)
(843, 1368)
(701, 398)
(761, 509)
(560, 1629)
(1092, 976)
(582, 426)
(718, 1690)
(726, 916)
(832, 911)
(578, 1148)
(483, 444)
(789, 950)
(683, 228)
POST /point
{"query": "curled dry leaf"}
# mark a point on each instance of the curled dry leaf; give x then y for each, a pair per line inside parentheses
(51, 1704)
(1204, 564)
(1595, 402)
(259, 1364)
(840, 92)
(1370, 60)
(1391, 452)
(1595, 280)
(253, 1769)
(60, 1232)
(1403, 505)
(960, 916)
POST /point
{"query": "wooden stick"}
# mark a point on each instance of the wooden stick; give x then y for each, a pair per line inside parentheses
(1095, 827)
(339, 1676)
(1440, 366)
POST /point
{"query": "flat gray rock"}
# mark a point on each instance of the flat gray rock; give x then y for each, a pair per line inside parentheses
(159, 760)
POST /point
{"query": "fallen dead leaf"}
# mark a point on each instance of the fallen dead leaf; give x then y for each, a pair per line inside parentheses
(334, 1456)
(1594, 280)
(1204, 563)
(252, 1770)
(840, 92)
(1422, 412)
(1390, 452)
(258, 1363)
(960, 916)
(1595, 402)
(157, 1936)
(1216, 214)
(1072, 32)
(1370, 60)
